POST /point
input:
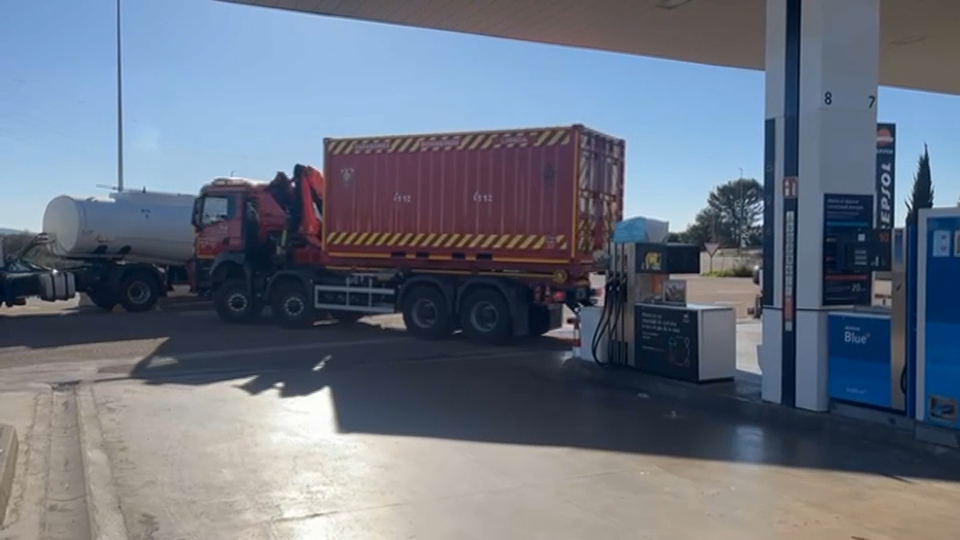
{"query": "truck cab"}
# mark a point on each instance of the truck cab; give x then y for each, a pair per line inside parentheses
(237, 223)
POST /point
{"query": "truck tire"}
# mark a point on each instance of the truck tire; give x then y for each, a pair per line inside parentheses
(104, 300)
(139, 291)
(234, 302)
(485, 317)
(292, 306)
(426, 313)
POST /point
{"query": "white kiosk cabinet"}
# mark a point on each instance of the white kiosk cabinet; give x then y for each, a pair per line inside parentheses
(692, 342)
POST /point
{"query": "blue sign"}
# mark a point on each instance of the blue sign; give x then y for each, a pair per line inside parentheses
(941, 324)
(858, 359)
(843, 214)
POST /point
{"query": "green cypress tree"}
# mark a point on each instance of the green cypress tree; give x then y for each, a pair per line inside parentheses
(922, 195)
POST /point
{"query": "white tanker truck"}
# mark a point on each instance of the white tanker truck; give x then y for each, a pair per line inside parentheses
(129, 248)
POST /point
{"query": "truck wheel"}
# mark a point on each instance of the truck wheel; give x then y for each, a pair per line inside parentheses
(103, 300)
(485, 317)
(139, 291)
(292, 306)
(426, 313)
(234, 302)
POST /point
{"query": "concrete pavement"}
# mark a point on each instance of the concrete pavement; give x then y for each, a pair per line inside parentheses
(9, 447)
(390, 445)
(476, 447)
(176, 426)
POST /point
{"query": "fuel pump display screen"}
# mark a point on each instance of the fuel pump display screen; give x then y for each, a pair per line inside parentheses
(667, 341)
(667, 258)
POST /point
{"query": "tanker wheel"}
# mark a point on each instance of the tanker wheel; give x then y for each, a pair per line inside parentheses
(426, 313)
(103, 299)
(291, 305)
(485, 317)
(139, 291)
(234, 302)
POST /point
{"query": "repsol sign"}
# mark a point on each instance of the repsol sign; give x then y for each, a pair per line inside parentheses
(886, 175)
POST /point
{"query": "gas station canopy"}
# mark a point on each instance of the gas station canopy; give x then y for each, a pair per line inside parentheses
(919, 38)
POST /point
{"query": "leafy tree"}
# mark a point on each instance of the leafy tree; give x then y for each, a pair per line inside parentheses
(922, 196)
(703, 229)
(732, 216)
(676, 237)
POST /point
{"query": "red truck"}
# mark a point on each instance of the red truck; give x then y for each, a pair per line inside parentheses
(488, 232)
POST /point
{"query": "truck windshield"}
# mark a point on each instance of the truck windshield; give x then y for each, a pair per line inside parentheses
(216, 208)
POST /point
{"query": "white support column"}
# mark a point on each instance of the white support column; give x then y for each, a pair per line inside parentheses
(822, 62)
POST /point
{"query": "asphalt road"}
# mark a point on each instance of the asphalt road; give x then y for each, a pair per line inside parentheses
(171, 425)
(49, 333)
(357, 435)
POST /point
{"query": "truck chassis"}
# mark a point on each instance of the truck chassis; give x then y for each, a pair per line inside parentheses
(491, 310)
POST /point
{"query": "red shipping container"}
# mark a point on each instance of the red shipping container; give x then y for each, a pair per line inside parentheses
(541, 199)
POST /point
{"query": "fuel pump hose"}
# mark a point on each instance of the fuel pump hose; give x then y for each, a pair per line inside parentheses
(609, 321)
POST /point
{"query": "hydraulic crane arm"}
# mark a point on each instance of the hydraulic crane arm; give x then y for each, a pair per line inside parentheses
(301, 197)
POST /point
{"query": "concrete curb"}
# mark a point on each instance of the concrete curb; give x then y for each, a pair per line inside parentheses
(103, 505)
(9, 445)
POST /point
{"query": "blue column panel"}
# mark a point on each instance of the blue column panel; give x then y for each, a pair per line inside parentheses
(940, 318)
(858, 346)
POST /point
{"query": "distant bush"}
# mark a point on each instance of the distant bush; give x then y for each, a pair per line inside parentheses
(741, 271)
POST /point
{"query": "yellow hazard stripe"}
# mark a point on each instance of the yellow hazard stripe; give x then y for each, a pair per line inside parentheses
(476, 241)
(457, 241)
(465, 141)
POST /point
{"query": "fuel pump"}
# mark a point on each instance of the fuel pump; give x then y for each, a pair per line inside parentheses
(646, 325)
(627, 284)
(637, 262)
(606, 331)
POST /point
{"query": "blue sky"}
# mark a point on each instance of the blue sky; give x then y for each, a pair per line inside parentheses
(212, 88)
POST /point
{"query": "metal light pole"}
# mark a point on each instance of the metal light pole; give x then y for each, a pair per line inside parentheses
(742, 210)
(119, 104)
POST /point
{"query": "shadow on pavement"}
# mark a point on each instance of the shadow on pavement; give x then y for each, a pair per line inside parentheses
(525, 395)
(66, 327)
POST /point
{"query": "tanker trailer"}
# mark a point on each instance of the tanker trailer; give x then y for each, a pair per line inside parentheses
(129, 248)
